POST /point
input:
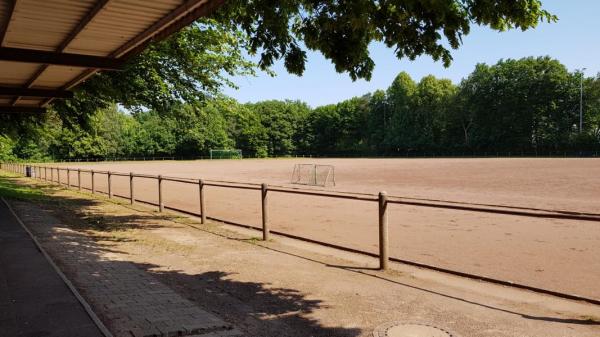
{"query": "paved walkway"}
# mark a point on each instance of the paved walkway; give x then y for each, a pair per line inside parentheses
(34, 300)
(131, 302)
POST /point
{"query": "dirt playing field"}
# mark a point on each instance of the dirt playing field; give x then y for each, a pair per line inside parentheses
(556, 254)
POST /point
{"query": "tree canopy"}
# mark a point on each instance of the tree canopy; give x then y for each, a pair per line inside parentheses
(172, 89)
(527, 106)
(343, 30)
(198, 61)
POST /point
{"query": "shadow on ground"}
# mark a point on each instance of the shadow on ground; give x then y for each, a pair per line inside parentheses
(258, 309)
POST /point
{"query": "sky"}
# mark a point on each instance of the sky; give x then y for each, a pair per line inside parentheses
(573, 40)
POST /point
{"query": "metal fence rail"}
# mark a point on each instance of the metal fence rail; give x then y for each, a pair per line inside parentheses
(490, 153)
(47, 173)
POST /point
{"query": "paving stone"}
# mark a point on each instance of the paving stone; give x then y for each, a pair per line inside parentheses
(135, 303)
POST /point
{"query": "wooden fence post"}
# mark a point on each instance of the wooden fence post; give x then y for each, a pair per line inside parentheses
(161, 207)
(58, 175)
(202, 208)
(51, 174)
(109, 182)
(131, 197)
(265, 222)
(79, 179)
(68, 178)
(383, 231)
(93, 184)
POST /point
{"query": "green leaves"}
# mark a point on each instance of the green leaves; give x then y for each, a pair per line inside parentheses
(190, 66)
(521, 104)
(197, 62)
(343, 30)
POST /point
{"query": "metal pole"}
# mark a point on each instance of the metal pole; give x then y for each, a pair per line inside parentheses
(131, 197)
(93, 185)
(265, 223)
(109, 182)
(202, 206)
(581, 102)
(161, 207)
(383, 231)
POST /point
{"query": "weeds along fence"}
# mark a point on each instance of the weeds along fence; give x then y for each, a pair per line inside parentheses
(72, 179)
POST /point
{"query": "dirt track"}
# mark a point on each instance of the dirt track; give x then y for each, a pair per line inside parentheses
(557, 254)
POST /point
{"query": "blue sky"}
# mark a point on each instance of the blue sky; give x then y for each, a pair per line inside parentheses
(573, 40)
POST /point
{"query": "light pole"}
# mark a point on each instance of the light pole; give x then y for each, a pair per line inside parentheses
(581, 101)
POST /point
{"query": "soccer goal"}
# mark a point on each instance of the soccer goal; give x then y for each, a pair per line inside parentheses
(313, 174)
(225, 154)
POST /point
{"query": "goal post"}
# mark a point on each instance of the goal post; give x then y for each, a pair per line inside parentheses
(313, 174)
(225, 154)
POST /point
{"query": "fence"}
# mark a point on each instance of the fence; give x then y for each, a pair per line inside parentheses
(47, 173)
(398, 154)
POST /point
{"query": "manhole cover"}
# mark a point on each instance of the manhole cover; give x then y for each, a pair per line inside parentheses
(410, 330)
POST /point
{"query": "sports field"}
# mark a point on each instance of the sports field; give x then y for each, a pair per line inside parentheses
(557, 254)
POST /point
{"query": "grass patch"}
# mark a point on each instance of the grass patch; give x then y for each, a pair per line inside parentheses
(9, 188)
(253, 240)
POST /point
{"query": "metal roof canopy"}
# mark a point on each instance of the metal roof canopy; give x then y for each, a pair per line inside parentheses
(49, 47)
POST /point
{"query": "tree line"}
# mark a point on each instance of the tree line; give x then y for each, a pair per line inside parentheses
(514, 106)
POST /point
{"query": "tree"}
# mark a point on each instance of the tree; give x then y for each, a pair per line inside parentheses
(195, 63)
(190, 66)
(281, 121)
(156, 136)
(519, 105)
(199, 128)
(343, 30)
(592, 108)
(431, 104)
(377, 122)
(400, 95)
(6, 148)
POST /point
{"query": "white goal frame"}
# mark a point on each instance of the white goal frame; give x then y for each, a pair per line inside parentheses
(231, 153)
(313, 174)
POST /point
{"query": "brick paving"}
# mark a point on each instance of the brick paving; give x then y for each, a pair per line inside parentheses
(130, 301)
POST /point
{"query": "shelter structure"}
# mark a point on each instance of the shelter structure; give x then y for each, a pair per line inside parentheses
(49, 47)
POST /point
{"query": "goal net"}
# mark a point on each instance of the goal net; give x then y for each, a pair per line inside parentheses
(313, 174)
(225, 154)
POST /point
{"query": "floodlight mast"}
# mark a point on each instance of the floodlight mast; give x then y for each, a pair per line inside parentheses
(581, 101)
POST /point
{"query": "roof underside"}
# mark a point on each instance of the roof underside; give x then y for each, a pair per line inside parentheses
(49, 47)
